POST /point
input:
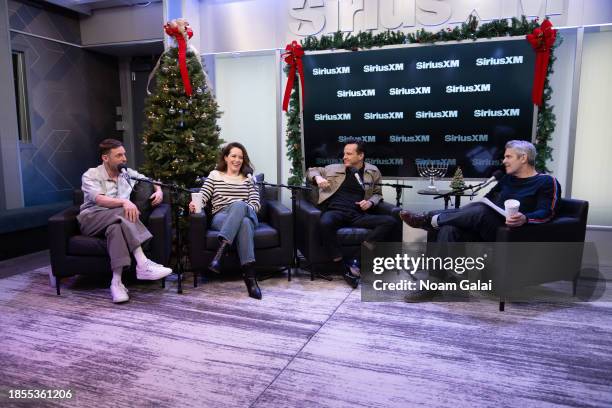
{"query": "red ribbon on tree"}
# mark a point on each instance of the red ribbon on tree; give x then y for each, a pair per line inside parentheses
(542, 40)
(179, 30)
(293, 57)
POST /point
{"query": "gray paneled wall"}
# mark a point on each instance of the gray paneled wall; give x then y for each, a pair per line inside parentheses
(72, 96)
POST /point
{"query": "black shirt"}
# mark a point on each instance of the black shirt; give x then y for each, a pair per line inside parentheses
(349, 193)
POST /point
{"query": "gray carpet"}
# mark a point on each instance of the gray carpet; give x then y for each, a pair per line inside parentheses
(306, 344)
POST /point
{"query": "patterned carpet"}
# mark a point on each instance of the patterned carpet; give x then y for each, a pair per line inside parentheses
(306, 344)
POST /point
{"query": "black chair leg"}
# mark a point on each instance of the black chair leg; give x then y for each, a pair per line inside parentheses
(195, 278)
(57, 285)
(502, 305)
(163, 283)
(574, 286)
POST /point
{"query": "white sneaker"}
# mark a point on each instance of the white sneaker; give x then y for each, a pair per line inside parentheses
(119, 293)
(152, 271)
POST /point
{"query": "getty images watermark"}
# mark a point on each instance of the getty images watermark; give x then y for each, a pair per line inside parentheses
(525, 271)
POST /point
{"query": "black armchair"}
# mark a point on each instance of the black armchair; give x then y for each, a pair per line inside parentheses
(513, 272)
(309, 238)
(73, 253)
(273, 237)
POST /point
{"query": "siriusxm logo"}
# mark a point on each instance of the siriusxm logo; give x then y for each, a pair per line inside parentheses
(436, 115)
(437, 64)
(466, 138)
(383, 68)
(394, 161)
(331, 71)
(489, 113)
(515, 59)
(408, 139)
(347, 93)
(486, 162)
(468, 88)
(419, 90)
(365, 139)
(435, 162)
(335, 116)
(383, 115)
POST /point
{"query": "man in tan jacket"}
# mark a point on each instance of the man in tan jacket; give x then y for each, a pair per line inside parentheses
(346, 192)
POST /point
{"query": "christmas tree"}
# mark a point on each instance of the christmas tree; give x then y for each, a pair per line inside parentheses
(181, 136)
(457, 183)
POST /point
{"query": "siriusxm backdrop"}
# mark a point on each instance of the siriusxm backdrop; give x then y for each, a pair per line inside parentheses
(446, 103)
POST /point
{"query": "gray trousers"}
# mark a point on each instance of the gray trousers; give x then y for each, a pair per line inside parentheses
(122, 235)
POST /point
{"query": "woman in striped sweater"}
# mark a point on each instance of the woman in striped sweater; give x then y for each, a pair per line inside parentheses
(235, 202)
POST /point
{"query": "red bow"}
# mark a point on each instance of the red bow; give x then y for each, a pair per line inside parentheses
(174, 31)
(293, 57)
(542, 40)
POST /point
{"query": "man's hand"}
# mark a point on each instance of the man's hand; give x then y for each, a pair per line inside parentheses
(130, 210)
(516, 220)
(364, 204)
(322, 183)
(157, 197)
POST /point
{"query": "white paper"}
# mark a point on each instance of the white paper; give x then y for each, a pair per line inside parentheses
(488, 202)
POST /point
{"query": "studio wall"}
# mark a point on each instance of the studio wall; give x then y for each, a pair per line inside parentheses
(72, 96)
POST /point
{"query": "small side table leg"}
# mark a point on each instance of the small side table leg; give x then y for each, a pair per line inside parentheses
(457, 201)
(446, 201)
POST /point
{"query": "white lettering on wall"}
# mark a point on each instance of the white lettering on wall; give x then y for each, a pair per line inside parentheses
(311, 17)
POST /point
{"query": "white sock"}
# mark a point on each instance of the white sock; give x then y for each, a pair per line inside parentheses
(141, 259)
(117, 276)
(434, 221)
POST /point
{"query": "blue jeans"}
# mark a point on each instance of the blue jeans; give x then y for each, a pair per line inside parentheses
(238, 221)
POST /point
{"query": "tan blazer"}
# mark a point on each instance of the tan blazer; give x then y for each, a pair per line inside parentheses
(336, 173)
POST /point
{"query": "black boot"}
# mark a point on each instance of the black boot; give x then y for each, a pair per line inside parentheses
(349, 276)
(250, 280)
(215, 264)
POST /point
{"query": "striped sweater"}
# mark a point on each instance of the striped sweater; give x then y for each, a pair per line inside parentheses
(222, 190)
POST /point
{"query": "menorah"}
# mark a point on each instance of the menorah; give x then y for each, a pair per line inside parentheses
(432, 169)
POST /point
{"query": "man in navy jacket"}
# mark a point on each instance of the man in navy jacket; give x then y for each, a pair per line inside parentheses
(537, 193)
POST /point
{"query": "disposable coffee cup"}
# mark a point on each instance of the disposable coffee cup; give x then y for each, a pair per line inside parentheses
(197, 200)
(511, 207)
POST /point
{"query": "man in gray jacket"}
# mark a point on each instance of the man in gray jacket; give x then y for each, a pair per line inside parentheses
(346, 192)
(108, 211)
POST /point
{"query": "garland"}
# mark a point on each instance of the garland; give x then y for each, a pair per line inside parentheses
(470, 30)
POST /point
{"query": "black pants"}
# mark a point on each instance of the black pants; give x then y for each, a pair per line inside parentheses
(332, 220)
(474, 222)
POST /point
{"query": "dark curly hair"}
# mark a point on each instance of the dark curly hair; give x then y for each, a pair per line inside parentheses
(247, 167)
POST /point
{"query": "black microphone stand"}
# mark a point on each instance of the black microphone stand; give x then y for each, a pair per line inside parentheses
(398, 190)
(175, 191)
(475, 188)
(295, 264)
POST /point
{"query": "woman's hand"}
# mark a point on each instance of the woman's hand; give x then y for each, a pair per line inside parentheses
(192, 207)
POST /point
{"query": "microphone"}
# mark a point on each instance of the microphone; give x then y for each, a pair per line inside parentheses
(357, 176)
(497, 175)
(123, 171)
(252, 179)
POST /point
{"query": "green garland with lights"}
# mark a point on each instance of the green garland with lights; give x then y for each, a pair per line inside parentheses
(470, 30)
